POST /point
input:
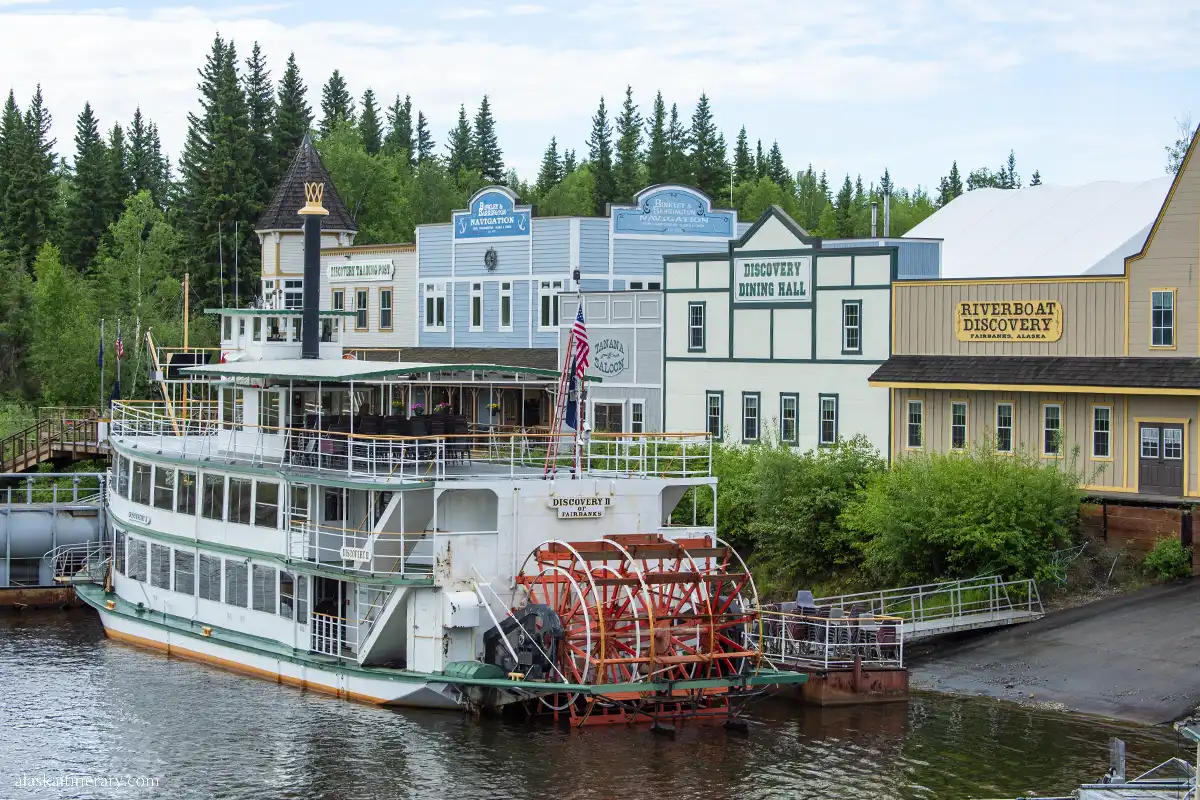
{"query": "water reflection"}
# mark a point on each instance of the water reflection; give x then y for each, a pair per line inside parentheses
(76, 703)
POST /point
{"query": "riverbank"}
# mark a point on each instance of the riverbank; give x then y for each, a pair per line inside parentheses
(1134, 657)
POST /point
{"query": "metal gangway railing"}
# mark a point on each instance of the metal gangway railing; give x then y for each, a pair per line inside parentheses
(802, 639)
(933, 609)
(85, 562)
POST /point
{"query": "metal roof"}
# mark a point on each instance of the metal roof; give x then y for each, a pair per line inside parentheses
(1044, 231)
(348, 369)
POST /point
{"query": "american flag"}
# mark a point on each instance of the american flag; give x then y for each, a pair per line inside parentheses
(120, 348)
(582, 350)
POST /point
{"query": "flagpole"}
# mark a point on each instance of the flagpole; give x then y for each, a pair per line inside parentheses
(118, 354)
(235, 264)
(101, 360)
(221, 262)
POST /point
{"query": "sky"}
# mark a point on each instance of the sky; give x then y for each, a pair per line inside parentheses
(1081, 90)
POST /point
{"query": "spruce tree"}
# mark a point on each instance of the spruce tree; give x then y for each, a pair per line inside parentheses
(260, 104)
(424, 139)
(628, 168)
(369, 126)
(293, 118)
(760, 161)
(214, 195)
(569, 163)
(777, 170)
(31, 194)
(885, 184)
(118, 177)
(1035, 179)
(707, 156)
(145, 171)
(336, 103)
(844, 211)
(399, 137)
(950, 186)
(489, 159)
(87, 213)
(12, 132)
(161, 168)
(460, 146)
(743, 162)
(678, 169)
(656, 143)
(600, 157)
(551, 172)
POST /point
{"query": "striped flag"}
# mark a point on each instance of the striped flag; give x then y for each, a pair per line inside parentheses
(117, 345)
(582, 349)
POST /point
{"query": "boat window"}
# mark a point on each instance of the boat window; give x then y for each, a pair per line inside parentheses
(164, 488)
(258, 329)
(185, 572)
(231, 408)
(214, 496)
(209, 578)
(239, 500)
(302, 599)
(264, 589)
(266, 504)
(333, 505)
(268, 410)
(137, 559)
(160, 566)
(236, 589)
(287, 594)
(185, 499)
(119, 551)
(141, 483)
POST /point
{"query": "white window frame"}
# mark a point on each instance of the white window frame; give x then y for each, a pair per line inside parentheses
(506, 293)
(856, 328)
(640, 406)
(697, 327)
(793, 399)
(435, 305)
(757, 398)
(548, 304)
(719, 432)
(1011, 427)
(476, 316)
(1107, 433)
(1176, 435)
(966, 426)
(910, 426)
(362, 293)
(1168, 309)
(823, 401)
(291, 288)
(388, 308)
(1046, 429)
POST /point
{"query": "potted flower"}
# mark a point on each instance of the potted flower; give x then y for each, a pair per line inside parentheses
(494, 408)
(441, 408)
(418, 408)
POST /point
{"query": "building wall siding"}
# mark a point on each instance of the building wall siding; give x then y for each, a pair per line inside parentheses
(1093, 317)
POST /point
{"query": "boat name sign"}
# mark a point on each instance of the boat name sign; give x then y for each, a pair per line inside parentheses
(580, 507)
(141, 519)
(355, 554)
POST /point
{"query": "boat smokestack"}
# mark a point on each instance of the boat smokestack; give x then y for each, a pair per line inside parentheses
(313, 211)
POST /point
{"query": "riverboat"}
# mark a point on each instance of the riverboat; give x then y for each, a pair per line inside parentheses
(301, 516)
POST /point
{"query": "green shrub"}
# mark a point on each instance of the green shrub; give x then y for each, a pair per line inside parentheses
(1169, 560)
(933, 516)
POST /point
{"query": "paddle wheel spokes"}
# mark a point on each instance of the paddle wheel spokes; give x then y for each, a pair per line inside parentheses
(560, 590)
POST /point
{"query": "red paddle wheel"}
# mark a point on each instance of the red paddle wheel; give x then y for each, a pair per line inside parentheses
(642, 613)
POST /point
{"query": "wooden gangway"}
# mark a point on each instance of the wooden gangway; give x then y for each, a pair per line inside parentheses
(67, 434)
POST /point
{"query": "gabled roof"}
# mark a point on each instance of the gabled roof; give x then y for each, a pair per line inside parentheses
(280, 213)
(778, 213)
(1134, 374)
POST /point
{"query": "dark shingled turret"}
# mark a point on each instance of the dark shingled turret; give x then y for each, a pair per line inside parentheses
(280, 213)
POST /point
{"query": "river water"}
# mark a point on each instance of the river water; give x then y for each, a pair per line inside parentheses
(77, 709)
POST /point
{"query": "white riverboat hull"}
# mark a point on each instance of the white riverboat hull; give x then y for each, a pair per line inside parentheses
(357, 685)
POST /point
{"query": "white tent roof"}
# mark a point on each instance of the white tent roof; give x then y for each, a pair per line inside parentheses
(1044, 230)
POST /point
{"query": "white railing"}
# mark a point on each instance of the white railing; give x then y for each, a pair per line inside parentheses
(68, 560)
(834, 642)
(331, 636)
(937, 602)
(371, 602)
(55, 488)
(523, 454)
(362, 552)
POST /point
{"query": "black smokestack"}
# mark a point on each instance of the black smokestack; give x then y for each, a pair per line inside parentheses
(313, 211)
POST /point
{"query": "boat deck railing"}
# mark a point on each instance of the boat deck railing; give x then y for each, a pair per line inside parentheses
(809, 641)
(435, 456)
(362, 552)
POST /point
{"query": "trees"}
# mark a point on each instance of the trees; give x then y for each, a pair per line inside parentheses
(657, 152)
(1178, 149)
(31, 189)
(118, 177)
(1035, 179)
(950, 186)
(600, 160)
(460, 147)
(707, 156)
(63, 345)
(148, 169)
(678, 167)
(489, 159)
(573, 196)
(260, 108)
(628, 170)
(87, 204)
(369, 125)
(551, 171)
(743, 162)
(399, 137)
(293, 118)
(777, 170)
(844, 210)
(336, 103)
(370, 184)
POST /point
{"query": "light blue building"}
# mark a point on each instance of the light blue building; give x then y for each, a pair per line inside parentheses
(489, 278)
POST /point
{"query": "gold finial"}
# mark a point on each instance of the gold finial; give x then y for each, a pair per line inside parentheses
(313, 194)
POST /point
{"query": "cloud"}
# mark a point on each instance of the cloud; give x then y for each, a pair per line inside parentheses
(797, 68)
